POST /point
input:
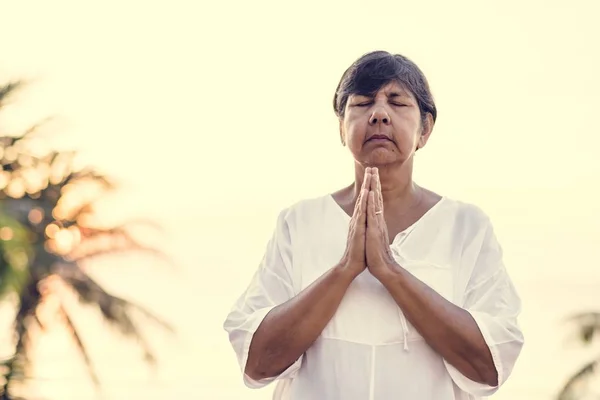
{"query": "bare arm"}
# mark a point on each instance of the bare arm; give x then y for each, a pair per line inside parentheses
(291, 328)
(448, 329)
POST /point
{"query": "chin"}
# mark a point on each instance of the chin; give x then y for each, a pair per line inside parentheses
(383, 158)
(383, 162)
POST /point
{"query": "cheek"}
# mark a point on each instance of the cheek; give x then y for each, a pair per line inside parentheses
(356, 139)
(354, 131)
(409, 132)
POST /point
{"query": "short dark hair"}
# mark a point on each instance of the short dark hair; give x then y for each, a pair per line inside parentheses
(376, 69)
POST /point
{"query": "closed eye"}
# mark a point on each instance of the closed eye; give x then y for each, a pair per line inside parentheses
(368, 103)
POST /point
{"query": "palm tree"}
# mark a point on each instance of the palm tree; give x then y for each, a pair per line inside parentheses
(46, 235)
(577, 386)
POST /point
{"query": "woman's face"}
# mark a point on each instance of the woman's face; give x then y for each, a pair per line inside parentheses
(386, 128)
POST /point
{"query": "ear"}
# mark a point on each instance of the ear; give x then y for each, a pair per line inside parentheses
(426, 130)
(342, 134)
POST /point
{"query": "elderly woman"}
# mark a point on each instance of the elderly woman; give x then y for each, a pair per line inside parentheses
(384, 289)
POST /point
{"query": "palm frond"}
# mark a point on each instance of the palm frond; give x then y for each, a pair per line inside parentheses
(133, 223)
(587, 325)
(61, 167)
(97, 242)
(8, 90)
(31, 131)
(90, 174)
(45, 198)
(115, 310)
(17, 365)
(80, 346)
(577, 385)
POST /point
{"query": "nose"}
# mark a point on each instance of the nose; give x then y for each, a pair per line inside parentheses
(379, 115)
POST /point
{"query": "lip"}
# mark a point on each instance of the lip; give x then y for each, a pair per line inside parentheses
(378, 138)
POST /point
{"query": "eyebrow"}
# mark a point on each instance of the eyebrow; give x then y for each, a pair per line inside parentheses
(391, 95)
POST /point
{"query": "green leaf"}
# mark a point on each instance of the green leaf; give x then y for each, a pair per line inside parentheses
(15, 255)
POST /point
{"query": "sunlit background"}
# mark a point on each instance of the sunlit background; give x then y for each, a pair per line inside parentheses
(216, 115)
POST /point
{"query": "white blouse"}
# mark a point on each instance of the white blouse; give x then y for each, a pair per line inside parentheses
(369, 351)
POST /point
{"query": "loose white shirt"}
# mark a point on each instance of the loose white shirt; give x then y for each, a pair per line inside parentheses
(368, 350)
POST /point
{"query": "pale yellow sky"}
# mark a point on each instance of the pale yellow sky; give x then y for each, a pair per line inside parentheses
(227, 106)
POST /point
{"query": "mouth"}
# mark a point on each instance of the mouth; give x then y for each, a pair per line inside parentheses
(379, 138)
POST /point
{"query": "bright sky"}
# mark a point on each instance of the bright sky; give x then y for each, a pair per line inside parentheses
(218, 115)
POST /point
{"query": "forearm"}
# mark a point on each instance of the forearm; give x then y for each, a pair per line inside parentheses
(291, 328)
(448, 329)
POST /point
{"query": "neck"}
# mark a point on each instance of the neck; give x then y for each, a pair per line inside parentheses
(397, 186)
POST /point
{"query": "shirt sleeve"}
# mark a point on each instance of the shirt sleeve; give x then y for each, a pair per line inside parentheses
(270, 286)
(494, 304)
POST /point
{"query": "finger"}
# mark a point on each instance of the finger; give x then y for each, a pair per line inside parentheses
(362, 209)
(371, 206)
(367, 179)
(357, 204)
(376, 186)
(365, 187)
(379, 194)
(372, 181)
(373, 190)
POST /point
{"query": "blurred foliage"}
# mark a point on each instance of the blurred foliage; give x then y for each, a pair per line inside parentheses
(577, 387)
(46, 234)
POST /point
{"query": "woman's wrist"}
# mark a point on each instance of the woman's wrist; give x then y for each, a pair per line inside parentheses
(345, 273)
